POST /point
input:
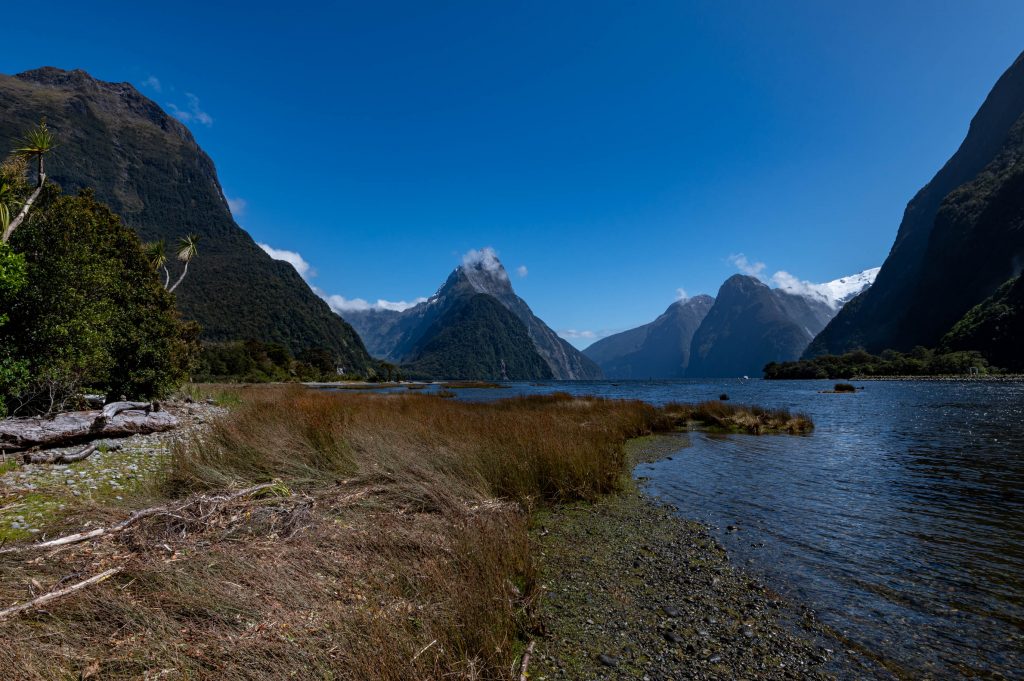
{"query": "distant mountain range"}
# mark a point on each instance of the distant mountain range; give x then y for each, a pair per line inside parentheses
(148, 168)
(747, 326)
(961, 240)
(475, 326)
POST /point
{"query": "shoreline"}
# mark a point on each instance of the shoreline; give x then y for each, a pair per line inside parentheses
(631, 590)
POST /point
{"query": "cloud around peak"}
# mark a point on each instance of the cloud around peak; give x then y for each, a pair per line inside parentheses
(296, 260)
(835, 293)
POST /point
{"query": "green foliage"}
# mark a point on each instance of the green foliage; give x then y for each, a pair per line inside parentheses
(92, 311)
(994, 327)
(918, 362)
(258, 362)
(13, 371)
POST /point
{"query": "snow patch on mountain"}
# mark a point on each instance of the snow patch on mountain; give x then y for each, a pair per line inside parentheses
(835, 293)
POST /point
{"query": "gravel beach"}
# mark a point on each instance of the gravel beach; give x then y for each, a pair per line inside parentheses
(633, 592)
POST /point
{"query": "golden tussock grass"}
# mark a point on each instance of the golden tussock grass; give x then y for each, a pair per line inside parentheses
(395, 545)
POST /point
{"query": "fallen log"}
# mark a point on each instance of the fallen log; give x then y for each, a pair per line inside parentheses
(68, 457)
(54, 595)
(134, 518)
(118, 419)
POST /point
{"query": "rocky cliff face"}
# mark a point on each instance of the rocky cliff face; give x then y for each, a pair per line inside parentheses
(660, 349)
(146, 165)
(401, 336)
(960, 238)
(750, 325)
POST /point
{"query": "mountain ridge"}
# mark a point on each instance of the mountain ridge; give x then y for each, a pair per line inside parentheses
(148, 168)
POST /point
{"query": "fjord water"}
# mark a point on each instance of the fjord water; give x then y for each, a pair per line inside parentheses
(900, 521)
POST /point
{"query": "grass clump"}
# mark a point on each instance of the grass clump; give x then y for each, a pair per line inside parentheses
(738, 418)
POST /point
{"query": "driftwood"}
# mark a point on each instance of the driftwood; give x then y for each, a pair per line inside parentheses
(526, 662)
(117, 419)
(135, 517)
(71, 457)
(54, 595)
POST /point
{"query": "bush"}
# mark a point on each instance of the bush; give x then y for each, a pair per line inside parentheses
(92, 312)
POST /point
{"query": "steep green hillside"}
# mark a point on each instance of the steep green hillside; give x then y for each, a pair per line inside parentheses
(147, 167)
(994, 327)
(471, 340)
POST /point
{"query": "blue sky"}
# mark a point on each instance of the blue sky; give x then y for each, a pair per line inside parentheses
(618, 151)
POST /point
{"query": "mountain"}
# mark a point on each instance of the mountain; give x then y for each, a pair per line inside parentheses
(994, 328)
(478, 339)
(403, 337)
(148, 168)
(660, 349)
(961, 238)
(750, 325)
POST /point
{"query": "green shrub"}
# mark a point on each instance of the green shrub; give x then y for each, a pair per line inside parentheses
(92, 311)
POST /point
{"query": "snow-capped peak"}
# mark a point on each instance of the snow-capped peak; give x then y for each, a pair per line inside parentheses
(835, 293)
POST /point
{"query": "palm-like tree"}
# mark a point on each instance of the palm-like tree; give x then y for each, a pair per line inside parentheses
(156, 253)
(36, 144)
(188, 248)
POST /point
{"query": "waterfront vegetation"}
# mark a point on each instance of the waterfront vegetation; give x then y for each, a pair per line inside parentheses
(392, 541)
(918, 362)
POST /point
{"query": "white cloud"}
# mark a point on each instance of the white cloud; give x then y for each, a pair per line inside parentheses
(835, 292)
(342, 304)
(485, 259)
(521, 271)
(337, 303)
(681, 294)
(304, 269)
(753, 269)
(192, 111)
(575, 334)
(152, 83)
(237, 207)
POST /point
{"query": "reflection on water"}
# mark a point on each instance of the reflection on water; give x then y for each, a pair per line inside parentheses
(900, 520)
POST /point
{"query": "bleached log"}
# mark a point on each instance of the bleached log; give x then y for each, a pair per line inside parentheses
(131, 520)
(59, 593)
(82, 426)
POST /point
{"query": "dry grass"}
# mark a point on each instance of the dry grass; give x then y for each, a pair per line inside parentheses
(396, 545)
(737, 418)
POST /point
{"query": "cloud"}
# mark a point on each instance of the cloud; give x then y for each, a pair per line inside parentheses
(237, 207)
(304, 269)
(485, 259)
(191, 112)
(152, 83)
(337, 303)
(574, 334)
(740, 262)
(521, 271)
(681, 294)
(342, 304)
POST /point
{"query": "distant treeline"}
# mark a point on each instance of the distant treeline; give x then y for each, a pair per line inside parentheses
(255, 361)
(258, 362)
(918, 362)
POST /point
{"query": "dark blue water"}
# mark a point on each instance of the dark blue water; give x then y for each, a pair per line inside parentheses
(900, 521)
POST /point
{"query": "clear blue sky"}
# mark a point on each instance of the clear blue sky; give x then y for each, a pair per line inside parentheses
(618, 150)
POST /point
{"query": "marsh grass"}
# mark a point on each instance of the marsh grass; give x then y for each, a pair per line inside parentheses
(394, 547)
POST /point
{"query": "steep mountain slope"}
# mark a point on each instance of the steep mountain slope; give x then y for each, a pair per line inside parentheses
(478, 339)
(660, 349)
(994, 327)
(953, 248)
(750, 325)
(399, 337)
(149, 169)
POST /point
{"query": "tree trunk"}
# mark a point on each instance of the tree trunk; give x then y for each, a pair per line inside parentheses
(24, 210)
(115, 420)
(180, 279)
